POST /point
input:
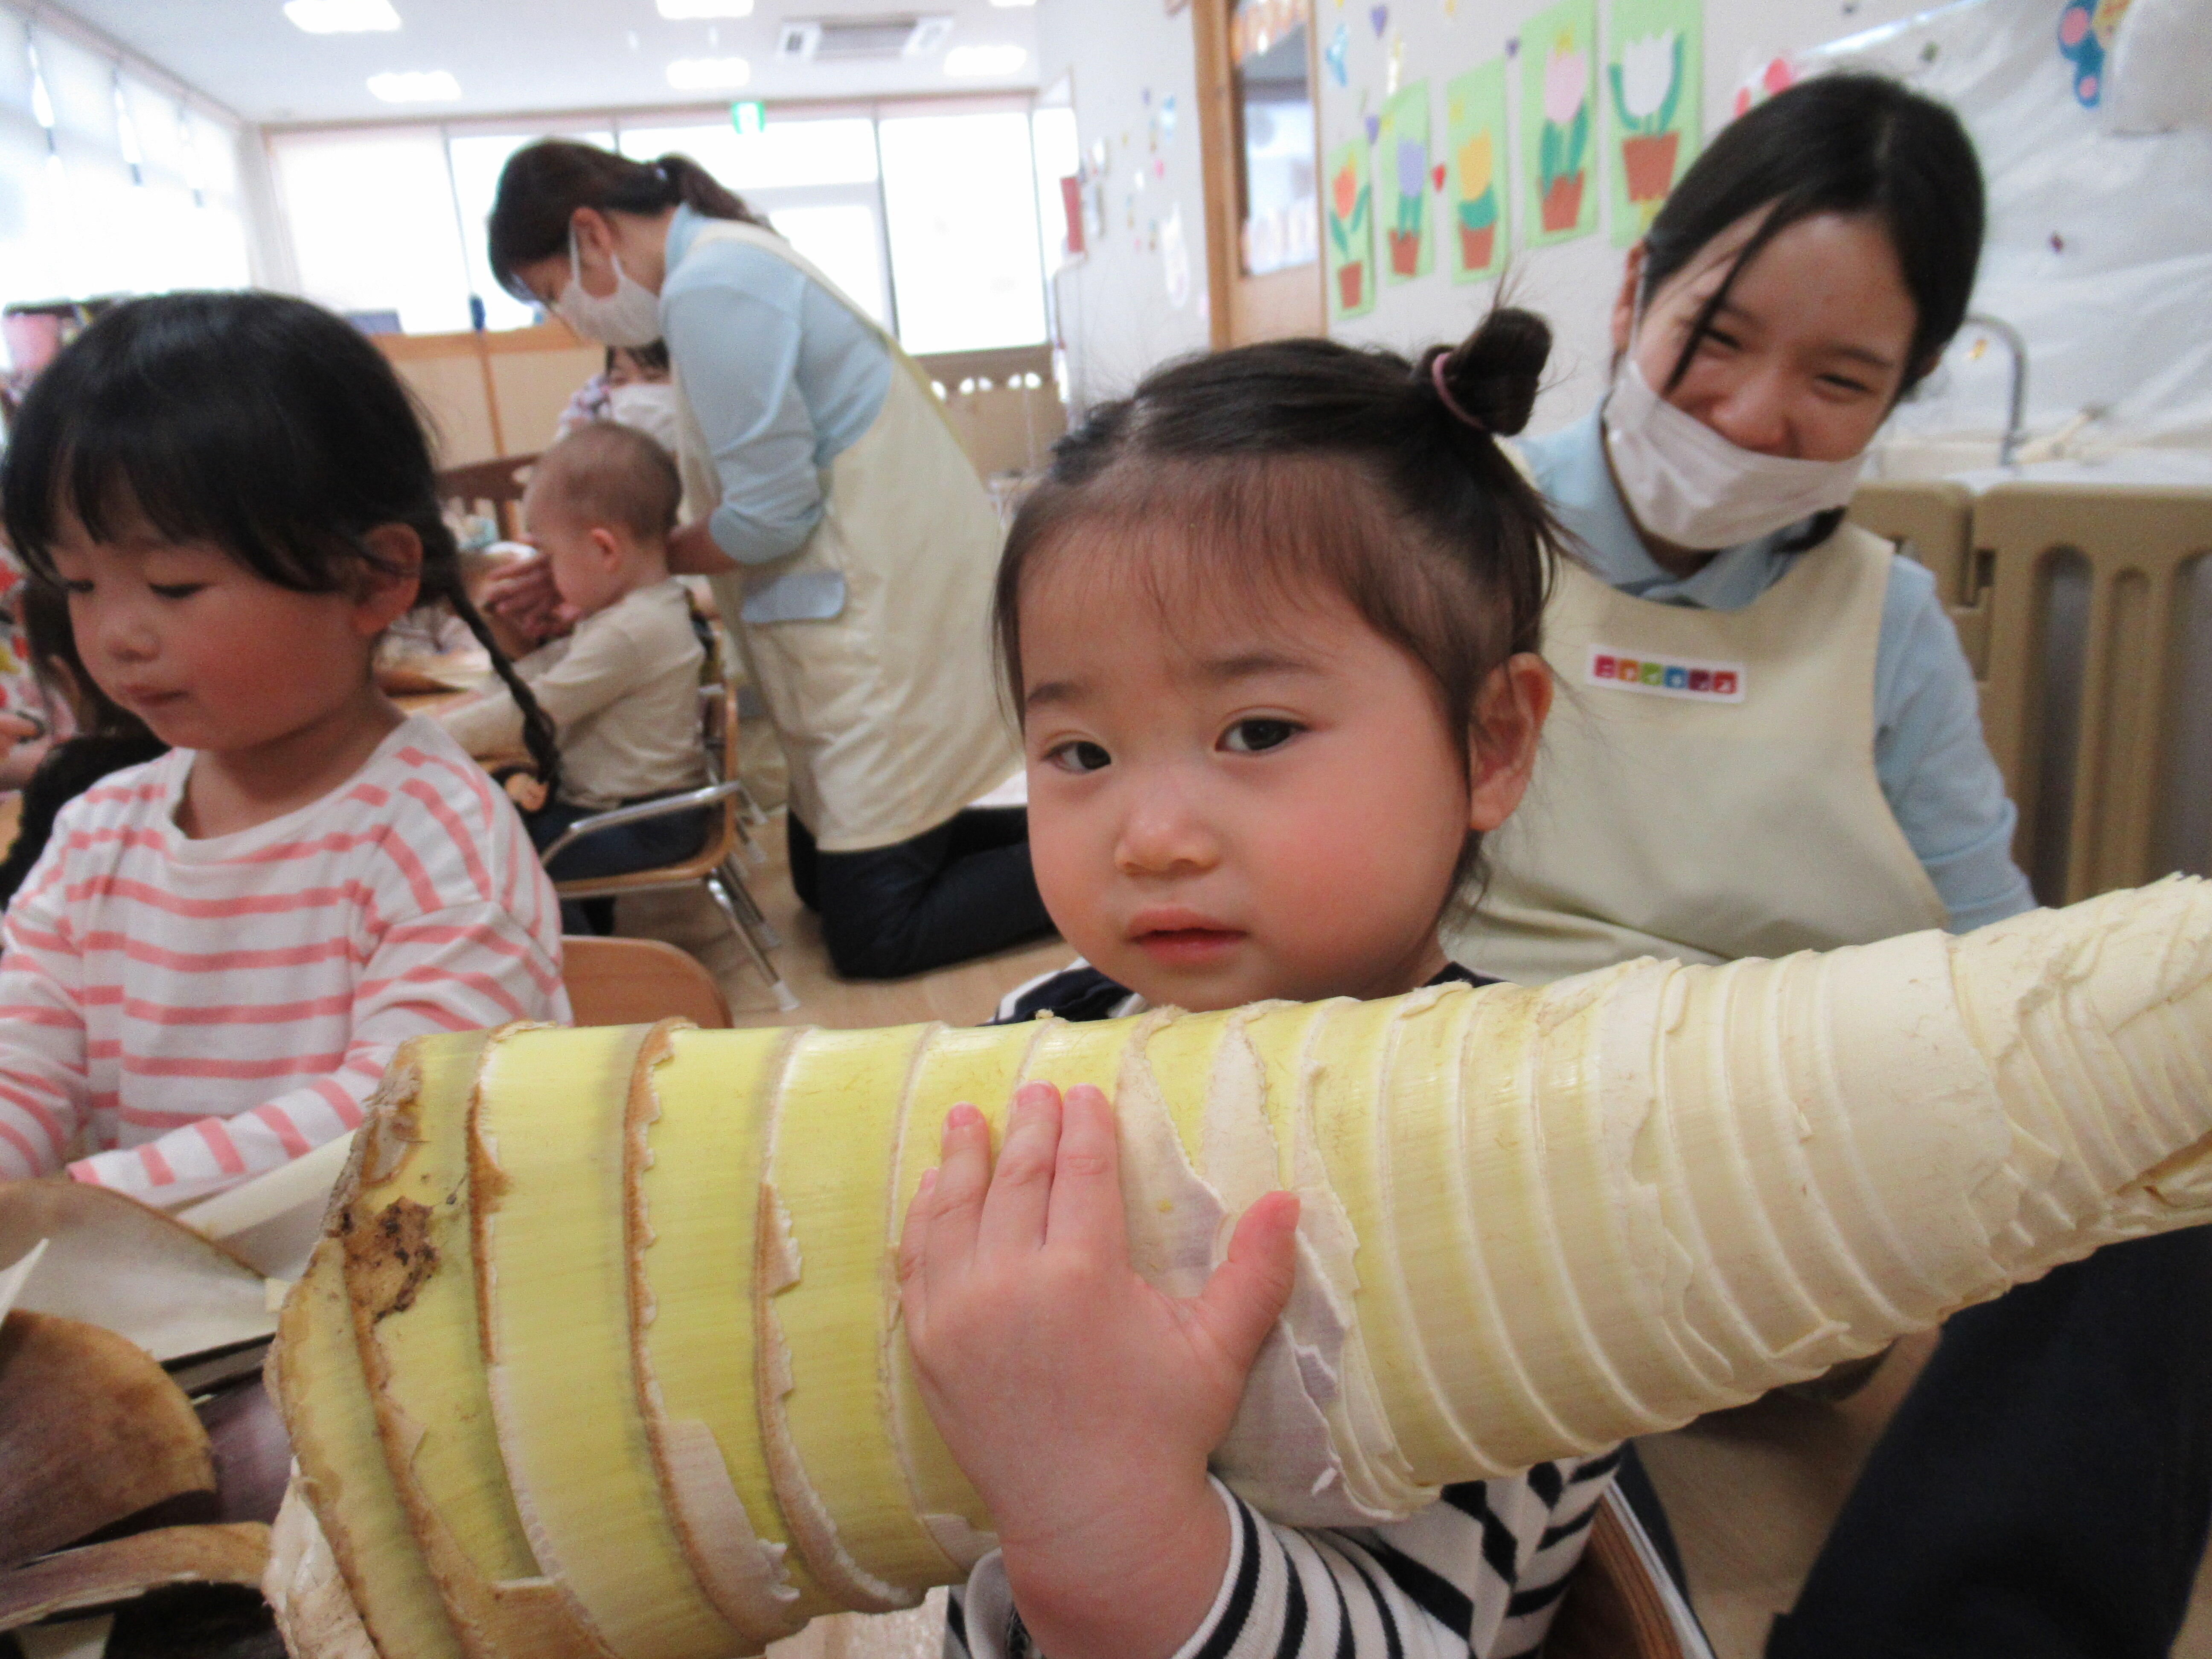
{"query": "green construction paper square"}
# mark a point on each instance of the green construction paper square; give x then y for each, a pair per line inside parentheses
(1401, 158)
(1348, 230)
(1558, 147)
(1475, 220)
(1653, 117)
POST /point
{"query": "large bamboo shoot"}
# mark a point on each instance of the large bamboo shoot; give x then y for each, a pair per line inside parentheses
(1534, 1223)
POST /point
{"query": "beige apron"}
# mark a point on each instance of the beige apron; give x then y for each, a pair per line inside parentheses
(1705, 789)
(889, 713)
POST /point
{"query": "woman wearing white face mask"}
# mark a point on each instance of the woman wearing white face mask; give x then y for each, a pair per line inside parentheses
(851, 545)
(1769, 740)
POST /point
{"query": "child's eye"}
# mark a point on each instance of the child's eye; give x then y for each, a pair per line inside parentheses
(1256, 736)
(1081, 756)
(176, 590)
(76, 587)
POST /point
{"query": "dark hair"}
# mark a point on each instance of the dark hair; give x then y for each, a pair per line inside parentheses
(608, 473)
(1306, 458)
(652, 359)
(258, 422)
(43, 610)
(1844, 144)
(543, 184)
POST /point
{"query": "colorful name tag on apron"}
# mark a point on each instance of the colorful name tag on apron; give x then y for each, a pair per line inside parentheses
(1665, 677)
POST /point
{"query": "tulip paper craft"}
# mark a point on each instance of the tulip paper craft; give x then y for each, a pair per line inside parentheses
(1475, 136)
(601, 1354)
(1403, 137)
(1556, 115)
(1653, 81)
(1350, 231)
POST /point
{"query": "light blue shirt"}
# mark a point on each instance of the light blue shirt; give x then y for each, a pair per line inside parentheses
(1935, 770)
(783, 376)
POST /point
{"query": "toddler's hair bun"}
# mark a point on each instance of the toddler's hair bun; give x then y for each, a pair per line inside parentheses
(1491, 379)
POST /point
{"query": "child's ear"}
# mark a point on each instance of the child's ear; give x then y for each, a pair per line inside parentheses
(611, 550)
(1624, 303)
(1509, 718)
(392, 581)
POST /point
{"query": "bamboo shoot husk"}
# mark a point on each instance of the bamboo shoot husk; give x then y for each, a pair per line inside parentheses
(407, 1233)
(236, 1552)
(314, 1372)
(547, 1132)
(1534, 1223)
(91, 1431)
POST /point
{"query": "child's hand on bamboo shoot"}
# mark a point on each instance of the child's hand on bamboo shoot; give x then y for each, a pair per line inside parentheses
(1081, 1401)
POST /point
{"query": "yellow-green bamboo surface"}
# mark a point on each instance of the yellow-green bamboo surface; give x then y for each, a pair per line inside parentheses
(623, 1301)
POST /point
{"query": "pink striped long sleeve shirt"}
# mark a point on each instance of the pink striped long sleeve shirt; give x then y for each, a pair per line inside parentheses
(210, 1009)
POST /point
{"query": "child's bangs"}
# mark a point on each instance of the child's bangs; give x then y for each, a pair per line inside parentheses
(160, 427)
(1232, 540)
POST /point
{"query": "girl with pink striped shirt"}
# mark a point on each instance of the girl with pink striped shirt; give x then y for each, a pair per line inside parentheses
(207, 970)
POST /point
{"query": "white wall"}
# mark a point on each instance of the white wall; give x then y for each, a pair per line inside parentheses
(1118, 314)
(1571, 283)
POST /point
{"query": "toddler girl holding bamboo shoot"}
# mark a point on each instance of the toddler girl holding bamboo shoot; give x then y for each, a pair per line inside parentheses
(1271, 627)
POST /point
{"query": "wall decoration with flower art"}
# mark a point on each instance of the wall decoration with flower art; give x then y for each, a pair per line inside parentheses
(1402, 163)
(1559, 151)
(1350, 230)
(1477, 184)
(1655, 50)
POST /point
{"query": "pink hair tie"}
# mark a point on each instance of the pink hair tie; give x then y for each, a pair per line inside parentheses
(1437, 379)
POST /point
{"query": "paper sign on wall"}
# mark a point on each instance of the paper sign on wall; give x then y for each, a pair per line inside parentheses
(1401, 166)
(1559, 149)
(1653, 91)
(1350, 231)
(1476, 182)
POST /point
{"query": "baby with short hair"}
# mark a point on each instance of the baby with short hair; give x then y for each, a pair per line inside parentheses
(622, 687)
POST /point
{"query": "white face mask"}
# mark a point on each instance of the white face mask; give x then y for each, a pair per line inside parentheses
(1686, 483)
(649, 406)
(631, 316)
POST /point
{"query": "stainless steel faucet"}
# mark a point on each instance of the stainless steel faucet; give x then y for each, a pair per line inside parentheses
(2016, 417)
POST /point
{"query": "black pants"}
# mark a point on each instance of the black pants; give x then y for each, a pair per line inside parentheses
(617, 852)
(2045, 1490)
(953, 892)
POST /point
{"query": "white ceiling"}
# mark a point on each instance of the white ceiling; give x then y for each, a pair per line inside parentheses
(514, 56)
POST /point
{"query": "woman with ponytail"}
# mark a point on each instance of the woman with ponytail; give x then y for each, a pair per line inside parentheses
(1769, 741)
(216, 954)
(850, 543)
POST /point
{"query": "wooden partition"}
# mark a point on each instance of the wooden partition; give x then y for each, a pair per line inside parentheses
(2081, 611)
(497, 394)
(494, 394)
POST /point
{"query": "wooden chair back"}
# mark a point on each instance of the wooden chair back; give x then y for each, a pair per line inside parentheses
(2093, 691)
(491, 489)
(633, 981)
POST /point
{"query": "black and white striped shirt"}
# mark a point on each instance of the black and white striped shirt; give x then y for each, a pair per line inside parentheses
(1478, 1573)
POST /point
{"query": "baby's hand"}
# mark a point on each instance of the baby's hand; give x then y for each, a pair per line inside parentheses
(1081, 1401)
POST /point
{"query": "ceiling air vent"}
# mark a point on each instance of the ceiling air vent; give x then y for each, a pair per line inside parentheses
(859, 39)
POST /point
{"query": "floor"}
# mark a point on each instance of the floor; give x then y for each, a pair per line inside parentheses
(1750, 1493)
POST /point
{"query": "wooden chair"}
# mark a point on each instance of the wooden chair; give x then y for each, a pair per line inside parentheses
(715, 865)
(1619, 1603)
(492, 490)
(633, 981)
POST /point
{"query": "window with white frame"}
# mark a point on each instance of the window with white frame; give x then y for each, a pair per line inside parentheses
(939, 244)
(109, 185)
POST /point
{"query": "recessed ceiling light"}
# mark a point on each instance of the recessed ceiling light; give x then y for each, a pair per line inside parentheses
(708, 74)
(985, 60)
(416, 87)
(341, 16)
(683, 10)
(1014, 3)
